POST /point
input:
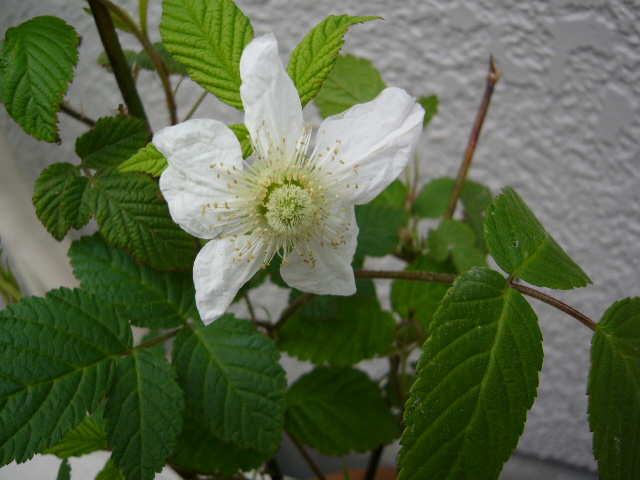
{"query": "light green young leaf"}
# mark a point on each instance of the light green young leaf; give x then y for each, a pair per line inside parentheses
(86, 438)
(242, 135)
(36, 66)
(477, 378)
(132, 214)
(143, 414)
(208, 38)
(55, 365)
(430, 105)
(233, 382)
(148, 160)
(338, 410)
(312, 60)
(112, 141)
(110, 472)
(614, 391)
(64, 472)
(199, 450)
(148, 298)
(522, 247)
(353, 80)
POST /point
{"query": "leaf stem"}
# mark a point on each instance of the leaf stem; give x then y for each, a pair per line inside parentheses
(293, 307)
(195, 106)
(407, 275)
(554, 302)
(157, 340)
(118, 61)
(68, 110)
(307, 458)
(492, 79)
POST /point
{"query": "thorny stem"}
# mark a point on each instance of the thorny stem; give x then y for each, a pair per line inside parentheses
(492, 79)
(153, 54)
(307, 458)
(67, 109)
(118, 61)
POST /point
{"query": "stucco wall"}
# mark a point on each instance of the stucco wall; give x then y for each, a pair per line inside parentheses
(562, 129)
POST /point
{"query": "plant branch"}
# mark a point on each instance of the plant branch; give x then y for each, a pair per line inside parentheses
(374, 461)
(118, 61)
(293, 307)
(68, 110)
(157, 340)
(554, 302)
(196, 105)
(407, 275)
(307, 458)
(151, 51)
(492, 79)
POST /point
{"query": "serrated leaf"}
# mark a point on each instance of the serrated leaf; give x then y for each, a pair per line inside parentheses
(614, 391)
(143, 414)
(477, 378)
(173, 67)
(64, 472)
(312, 60)
(37, 65)
(339, 330)
(110, 472)
(86, 438)
(112, 141)
(148, 298)
(430, 105)
(353, 80)
(233, 382)
(56, 357)
(379, 225)
(132, 214)
(338, 410)
(198, 450)
(208, 38)
(242, 134)
(76, 202)
(148, 160)
(49, 195)
(522, 247)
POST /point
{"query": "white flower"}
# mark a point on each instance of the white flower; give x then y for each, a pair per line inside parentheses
(290, 200)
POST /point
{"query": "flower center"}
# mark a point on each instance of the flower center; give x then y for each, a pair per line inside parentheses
(290, 209)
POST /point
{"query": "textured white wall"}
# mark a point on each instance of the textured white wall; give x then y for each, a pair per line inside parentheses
(562, 129)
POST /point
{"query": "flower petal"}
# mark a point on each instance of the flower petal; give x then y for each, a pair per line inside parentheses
(218, 276)
(271, 102)
(332, 273)
(189, 184)
(375, 140)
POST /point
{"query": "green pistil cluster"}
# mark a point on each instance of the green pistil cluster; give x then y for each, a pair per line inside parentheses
(290, 209)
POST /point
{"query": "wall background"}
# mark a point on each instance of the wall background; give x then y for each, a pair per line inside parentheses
(562, 129)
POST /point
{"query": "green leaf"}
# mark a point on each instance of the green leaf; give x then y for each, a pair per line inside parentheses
(430, 105)
(49, 197)
(614, 391)
(148, 160)
(233, 382)
(198, 450)
(147, 297)
(522, 247)
(86, 438)
(242, 135)
(208, 38)
(477, 377)
(143, 414)
(419, 300)
(76, 202)
(338, 410)
(64, 472)
(433, 199)
(36, 66)
(312, 60)
(110, 472)
(459, 240)
(395, 194)
(56, 356)
(173, 67)
(112, 141)
(352, 81)
(132, 214)
(339, 330)
(379, 225)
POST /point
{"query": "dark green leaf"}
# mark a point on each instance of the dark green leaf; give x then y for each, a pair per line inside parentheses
(173, 67)
(352, 81)
(233, 382)
(149, 298)
(459, 240)
(208, 38)
(110, 472)
(85, 438)
(143, 414)
(36, 66)
(522, 247)
(132, 214)
(430, 105)
(243, 137)
(56, 356)
(76, 202)
(64, 472)
(337, 410)
(395, 194)
(148, 160)
(112, 141)
(379, 225)
(614, 391)
(49, 197)
(434, 197)
(477, 377)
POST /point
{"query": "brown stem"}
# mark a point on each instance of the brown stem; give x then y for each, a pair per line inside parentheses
(374, 461)
(293, 307)
(554, 302)
(307, 458)
(155, 341)
(118, 61)
(492, 79)
(68, 110)
(407, 275)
